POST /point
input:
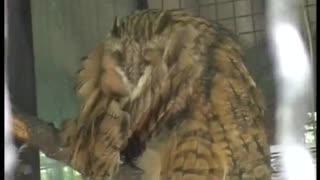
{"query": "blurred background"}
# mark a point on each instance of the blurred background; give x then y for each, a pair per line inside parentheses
(60, 32)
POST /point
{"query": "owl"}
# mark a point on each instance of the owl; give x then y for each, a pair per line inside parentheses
(167, 93)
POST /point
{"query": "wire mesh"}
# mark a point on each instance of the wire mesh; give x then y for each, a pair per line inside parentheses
(245, 18)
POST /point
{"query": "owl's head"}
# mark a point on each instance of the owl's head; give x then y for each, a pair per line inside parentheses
(117, 69)
(122, 65)
(129, 63)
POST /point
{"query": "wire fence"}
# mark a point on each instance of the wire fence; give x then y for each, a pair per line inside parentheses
(245, 18)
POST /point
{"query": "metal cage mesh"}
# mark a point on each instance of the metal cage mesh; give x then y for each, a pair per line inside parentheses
(246, 18)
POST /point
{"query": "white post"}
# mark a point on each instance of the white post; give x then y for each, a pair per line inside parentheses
(294, 81)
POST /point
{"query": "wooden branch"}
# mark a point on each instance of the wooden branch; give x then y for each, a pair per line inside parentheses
(39, 134)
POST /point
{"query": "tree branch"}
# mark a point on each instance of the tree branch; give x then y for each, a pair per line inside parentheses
(48, 139)
(39, 134)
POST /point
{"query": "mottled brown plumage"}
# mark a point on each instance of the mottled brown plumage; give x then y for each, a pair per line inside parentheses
(169, 91)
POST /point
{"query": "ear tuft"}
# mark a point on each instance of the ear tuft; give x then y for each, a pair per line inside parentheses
(161, 23)
(115, 29)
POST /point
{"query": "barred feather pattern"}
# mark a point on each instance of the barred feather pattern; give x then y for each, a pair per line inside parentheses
(179, 89)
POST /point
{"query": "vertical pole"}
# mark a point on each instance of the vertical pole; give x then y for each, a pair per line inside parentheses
(294, 81)
(21, 78)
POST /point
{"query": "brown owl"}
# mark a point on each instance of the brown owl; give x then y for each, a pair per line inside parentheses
(168, 92)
